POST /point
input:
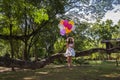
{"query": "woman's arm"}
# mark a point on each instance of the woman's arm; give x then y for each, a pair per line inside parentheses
(67, 45)
(73, 45)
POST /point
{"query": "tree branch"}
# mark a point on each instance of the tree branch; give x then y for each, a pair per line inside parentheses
(8, 62)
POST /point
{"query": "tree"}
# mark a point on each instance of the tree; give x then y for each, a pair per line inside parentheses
(28, 19)
(22, 17)
(89, 10)
(117, 32)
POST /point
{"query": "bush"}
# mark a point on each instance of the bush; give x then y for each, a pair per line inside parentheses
(80, 61)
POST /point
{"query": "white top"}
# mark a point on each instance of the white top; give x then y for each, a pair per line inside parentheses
(70, 45)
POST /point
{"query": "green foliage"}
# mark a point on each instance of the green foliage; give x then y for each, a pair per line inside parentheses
(115, 55)
(28, 18)
(117, 30)
(105, 30)
(40, 15)
(80, 61)
(95, 56)
(99, 31)
(59, 45)
(4, 47)
(81, 36)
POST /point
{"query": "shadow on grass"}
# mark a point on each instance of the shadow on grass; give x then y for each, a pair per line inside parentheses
(96, 72)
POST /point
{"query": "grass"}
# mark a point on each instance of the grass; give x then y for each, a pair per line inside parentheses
(102, 71)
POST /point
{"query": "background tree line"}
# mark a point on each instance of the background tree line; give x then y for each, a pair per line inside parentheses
(29, 29)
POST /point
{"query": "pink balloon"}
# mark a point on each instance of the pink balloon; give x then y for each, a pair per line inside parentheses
(65, 23)
(69, 26)
(62, 32)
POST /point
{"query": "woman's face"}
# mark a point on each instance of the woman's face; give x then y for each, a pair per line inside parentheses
(70, 40)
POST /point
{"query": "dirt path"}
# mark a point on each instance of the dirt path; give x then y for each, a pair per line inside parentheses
(3, 69)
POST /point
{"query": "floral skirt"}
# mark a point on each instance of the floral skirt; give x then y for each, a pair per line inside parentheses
(69, 52)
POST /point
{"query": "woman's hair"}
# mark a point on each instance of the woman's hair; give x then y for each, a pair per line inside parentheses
(70, 40)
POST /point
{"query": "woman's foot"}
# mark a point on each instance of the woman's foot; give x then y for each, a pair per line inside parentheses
(70, 68)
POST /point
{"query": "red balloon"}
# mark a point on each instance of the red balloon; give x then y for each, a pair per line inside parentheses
(65, 23)
(69, 26)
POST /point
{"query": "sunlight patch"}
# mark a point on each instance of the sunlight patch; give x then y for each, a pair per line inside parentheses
(112, 75)
(28, 78)
(42, 72)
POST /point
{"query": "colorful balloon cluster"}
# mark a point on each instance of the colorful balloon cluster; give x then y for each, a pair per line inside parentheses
(66, 27)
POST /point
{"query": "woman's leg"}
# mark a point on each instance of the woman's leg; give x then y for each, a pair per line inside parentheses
(69, 59)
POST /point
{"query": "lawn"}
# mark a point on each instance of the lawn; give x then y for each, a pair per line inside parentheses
(101, 71)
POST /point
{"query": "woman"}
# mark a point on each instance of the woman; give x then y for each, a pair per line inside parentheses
(70, 51)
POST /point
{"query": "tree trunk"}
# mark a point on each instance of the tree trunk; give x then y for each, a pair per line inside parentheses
(7, 62)
(117, 63)
(11, 45)
(25, 50)
(26, 39)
